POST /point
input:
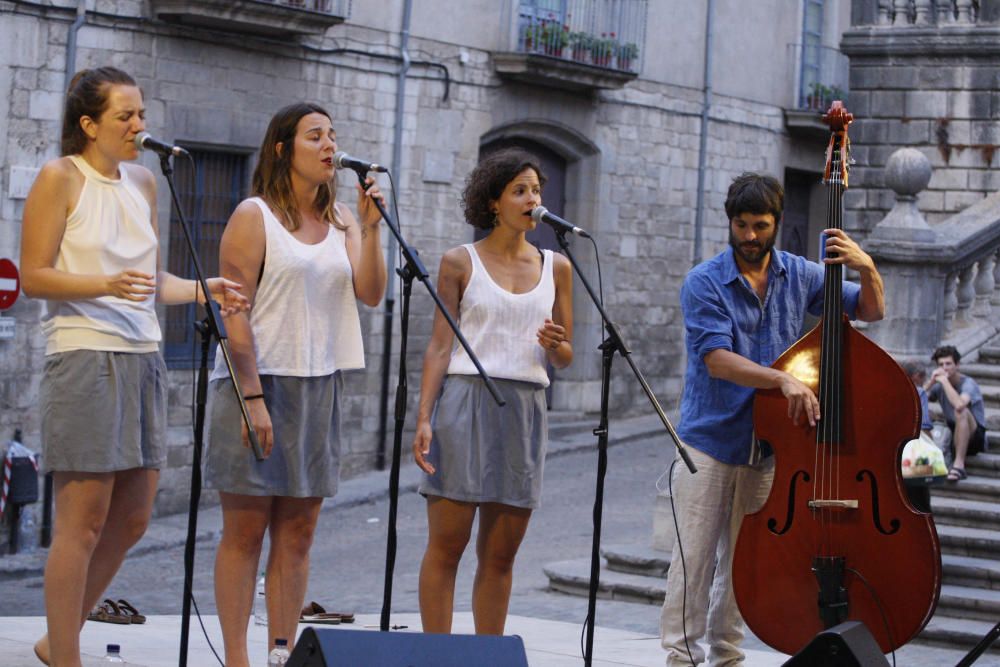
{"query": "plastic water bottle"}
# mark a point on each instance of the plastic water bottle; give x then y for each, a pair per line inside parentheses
(279, 654)
(260, 603)
(114, 654)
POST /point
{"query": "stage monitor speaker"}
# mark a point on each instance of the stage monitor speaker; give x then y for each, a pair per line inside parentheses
(849, 644)
(336, 647)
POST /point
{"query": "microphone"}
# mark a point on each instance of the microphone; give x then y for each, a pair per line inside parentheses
(342, 160)
(541, 214)
(144, 141)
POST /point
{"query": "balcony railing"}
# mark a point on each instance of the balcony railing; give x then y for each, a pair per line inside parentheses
(823, 76)
(609, 34)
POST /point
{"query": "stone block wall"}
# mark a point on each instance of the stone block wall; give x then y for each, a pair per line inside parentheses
(930, 87)
(633, 182)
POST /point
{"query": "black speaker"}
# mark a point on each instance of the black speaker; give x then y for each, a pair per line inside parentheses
(336, 647)
(849, 644)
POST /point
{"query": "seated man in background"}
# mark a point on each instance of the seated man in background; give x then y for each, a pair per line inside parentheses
(962, 404)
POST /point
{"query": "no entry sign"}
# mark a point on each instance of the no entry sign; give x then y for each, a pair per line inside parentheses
(10, 284)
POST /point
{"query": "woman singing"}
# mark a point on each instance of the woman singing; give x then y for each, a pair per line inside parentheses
(514, 305)
(89, 247)
(306, 261)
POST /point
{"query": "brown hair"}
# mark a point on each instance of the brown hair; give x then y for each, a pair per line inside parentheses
(272, 178)
(488, 180)
(757, 194)
(87, 96)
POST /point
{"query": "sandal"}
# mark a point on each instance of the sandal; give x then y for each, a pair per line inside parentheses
(130, 612)
(107, 612)
(957, 475)
(315, 613)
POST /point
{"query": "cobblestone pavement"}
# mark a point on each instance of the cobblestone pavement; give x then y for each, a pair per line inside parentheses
(347, 570)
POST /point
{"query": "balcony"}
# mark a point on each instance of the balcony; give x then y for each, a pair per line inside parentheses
(271, 18)
(821, 78)
(574, 44)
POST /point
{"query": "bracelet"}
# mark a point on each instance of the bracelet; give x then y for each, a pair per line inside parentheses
(253, 397)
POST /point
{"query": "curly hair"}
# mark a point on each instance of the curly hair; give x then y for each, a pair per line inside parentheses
(88, 96)
(757, 194)
(946, 351)
(487, 182)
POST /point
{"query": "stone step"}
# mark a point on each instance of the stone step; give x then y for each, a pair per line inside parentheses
(986, 464)
(573, 577)
(972, 542)
(991, 393)
(644, 561)
(976, 487)
(958, 632)
(972, 572)
(636, 559)
(954, 511)
(967, 602)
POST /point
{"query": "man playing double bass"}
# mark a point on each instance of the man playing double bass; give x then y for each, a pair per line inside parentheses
(742, 309)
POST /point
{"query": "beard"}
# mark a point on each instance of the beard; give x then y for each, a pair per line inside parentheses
(753, 252)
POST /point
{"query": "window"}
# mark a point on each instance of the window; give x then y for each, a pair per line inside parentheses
(209, 192)
(812, 36)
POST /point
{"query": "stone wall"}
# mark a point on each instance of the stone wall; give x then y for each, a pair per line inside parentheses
(631, 179)
(931, 85)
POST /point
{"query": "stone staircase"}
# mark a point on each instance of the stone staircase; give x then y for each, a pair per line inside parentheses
(967, 517)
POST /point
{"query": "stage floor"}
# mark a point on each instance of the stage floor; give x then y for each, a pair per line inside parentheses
(156, 643)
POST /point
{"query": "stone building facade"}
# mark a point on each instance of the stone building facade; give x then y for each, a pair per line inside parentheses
(627, 144)
(924, 75)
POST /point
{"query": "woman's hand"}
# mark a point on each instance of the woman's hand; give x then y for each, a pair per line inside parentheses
(226, 292)
(551, 335)
(261, 420)
(422, 447)
(367, 211)
(131, 285)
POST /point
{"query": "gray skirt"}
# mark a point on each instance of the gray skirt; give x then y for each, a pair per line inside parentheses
(305, 459)
(103, 411)
(485, 453)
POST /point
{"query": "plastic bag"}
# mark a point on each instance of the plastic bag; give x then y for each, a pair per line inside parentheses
(923, 458)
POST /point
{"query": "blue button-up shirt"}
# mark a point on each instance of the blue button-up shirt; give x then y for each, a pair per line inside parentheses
(722, 312)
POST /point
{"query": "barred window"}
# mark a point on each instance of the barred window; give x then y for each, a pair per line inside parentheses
(209, 192)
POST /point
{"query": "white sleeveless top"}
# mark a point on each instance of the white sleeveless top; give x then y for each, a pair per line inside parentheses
(109, 230)
(305, 316)
(501, 326)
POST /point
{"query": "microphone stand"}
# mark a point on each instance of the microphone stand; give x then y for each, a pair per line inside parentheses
(613, 342)
(211, 326)
(981, 647)
(413, 268)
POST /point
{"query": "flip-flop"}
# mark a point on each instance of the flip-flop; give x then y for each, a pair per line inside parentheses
(957, 474)
(315, 613)
(108, 613)
(127, 610)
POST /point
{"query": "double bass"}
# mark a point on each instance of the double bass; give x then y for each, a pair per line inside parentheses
(837, 538)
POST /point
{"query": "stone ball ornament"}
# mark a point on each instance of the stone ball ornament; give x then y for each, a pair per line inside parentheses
(907, 172)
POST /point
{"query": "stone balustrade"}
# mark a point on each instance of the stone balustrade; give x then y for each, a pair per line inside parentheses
(928, 12)
(941, 281)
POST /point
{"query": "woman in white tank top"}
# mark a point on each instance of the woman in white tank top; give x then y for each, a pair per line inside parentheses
(89, 246)
(513, 303)
(306, 261)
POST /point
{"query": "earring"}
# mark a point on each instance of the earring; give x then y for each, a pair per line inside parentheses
(496, 218)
